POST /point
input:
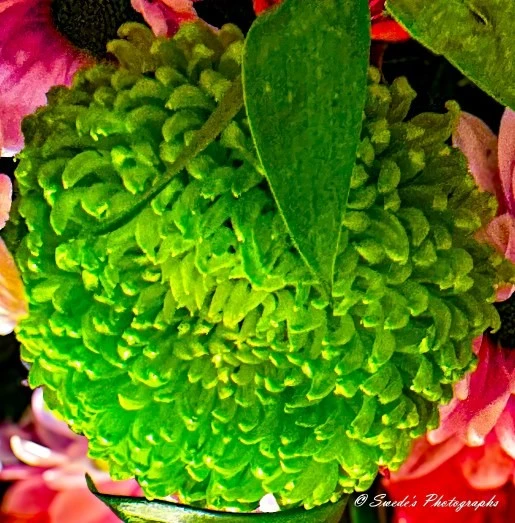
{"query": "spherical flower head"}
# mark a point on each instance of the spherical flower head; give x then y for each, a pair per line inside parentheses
(186, 338)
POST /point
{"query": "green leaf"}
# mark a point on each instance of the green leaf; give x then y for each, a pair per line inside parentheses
(140, 510)
(476, 36)
(304, 80)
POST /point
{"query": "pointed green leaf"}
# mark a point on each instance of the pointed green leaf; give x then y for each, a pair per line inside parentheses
(304, 79)
(140, 510)
(476, 36)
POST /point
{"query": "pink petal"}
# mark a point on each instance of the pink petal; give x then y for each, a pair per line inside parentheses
(500, 233)
(33, 58)
(486, 419)
(79, 506)
(5, 4)
(13, 304)
(71, 475)
(164, 16)
(489, 390)
(6, 194)
(505, 428)
(488, 467)
(28, 497)
(479, 144)
(504, 292)
(52, 432)
(10, 467)
(507, 157)
(19, 472)
(34, 454)
(129, 487)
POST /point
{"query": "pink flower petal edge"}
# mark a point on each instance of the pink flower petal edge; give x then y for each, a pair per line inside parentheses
(164, 16)
(479, 144)
(49, 476)
(507, 158)
(33, 58)
(500, 233)
(489, 390)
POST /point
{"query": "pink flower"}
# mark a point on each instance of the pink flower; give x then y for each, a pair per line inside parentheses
(164, 16)
(13, 305)
(33, 58)
(471, 455)
(47, 463)
(36, 54)
(481, 398)
(492, 163)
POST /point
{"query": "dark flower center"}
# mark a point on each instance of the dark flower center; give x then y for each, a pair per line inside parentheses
(220, 12)
(90, 24)
(506, 334)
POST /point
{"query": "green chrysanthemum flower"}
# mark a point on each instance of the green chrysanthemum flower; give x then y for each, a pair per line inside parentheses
(190, 344)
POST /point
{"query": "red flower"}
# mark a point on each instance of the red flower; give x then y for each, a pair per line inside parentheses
(471, 456)
(383, 28)
(455, 474)
(261, 5)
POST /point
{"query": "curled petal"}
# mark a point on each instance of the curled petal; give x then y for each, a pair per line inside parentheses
(13, 304)
(505, 429)
(34, 454)
(10, 467)
(52, 432)
(500, 233)
(479, 144)
(507, 158)
(34, 58)
(488, 467)
(164, 16)
(489, 391)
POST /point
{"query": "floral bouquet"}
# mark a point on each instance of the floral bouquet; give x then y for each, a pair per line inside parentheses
(258, 261)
